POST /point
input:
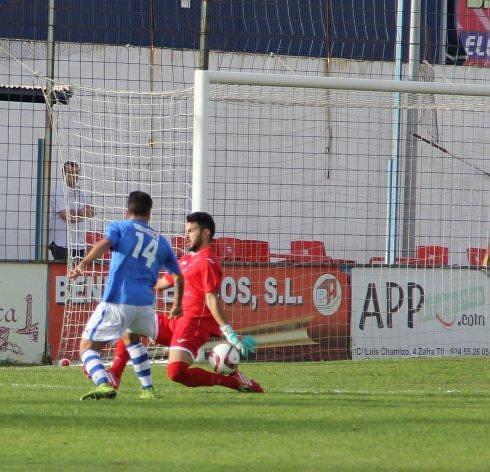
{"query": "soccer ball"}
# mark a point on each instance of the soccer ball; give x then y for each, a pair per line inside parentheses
(224, 358)
(64, 362)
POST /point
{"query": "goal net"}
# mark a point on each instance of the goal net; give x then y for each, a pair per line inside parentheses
(121, 141)
(317, 286)
(299, 174)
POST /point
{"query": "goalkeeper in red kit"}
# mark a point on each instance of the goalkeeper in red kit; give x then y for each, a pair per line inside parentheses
(202, 317)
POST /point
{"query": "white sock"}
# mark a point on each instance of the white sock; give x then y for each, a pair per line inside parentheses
(141, 363)
(93, 365)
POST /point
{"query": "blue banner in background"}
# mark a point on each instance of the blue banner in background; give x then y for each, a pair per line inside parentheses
(312, 28)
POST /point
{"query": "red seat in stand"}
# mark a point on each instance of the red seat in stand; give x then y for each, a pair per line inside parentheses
(433, 256)
(228, 248)
(303, 251)
(427, 256)
(92, 237)
(476, 256)
(255, 250)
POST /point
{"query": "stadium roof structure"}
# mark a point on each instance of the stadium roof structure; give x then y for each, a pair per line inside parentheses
(34, 94)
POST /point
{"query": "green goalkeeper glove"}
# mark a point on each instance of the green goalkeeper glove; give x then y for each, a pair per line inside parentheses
(245, 344)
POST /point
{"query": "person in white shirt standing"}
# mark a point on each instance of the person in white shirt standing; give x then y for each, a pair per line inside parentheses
(74, 208)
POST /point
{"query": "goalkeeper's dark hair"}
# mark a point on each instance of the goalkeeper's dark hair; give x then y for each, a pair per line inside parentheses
(204, 221)
(139, 203)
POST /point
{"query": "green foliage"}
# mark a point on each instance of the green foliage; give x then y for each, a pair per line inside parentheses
(416, 414)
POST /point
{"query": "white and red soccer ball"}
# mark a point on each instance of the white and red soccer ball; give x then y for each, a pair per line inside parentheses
(224, 358)
(64, 362)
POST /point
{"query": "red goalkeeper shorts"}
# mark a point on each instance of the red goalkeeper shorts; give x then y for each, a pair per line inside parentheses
(186, 333)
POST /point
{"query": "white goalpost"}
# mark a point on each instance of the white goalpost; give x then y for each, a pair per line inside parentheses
(300, 230)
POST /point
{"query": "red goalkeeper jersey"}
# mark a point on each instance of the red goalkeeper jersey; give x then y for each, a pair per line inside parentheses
(202, 274)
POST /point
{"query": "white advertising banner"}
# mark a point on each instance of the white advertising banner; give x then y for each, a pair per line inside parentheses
(22, 312)
(405, 312)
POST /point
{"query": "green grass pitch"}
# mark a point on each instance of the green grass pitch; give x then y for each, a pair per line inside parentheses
(415, 414)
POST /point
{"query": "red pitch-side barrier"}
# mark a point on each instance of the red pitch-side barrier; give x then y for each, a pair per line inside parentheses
(295, 312)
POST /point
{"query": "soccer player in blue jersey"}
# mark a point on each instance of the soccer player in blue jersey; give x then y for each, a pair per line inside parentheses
(128, 304)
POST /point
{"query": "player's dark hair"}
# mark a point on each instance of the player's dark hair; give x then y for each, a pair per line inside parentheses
(139, 203)
(67, 164)
(204, 221)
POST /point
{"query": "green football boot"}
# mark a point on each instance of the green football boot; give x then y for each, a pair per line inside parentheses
(102, 391)
(148, 393)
